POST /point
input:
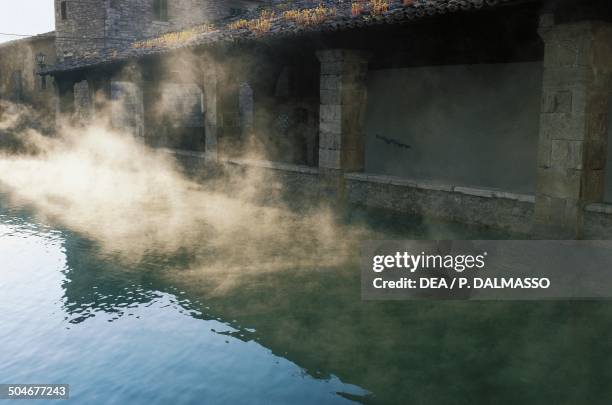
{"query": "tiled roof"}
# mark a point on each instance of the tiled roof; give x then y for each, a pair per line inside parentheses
(284, 19)
(45, 36)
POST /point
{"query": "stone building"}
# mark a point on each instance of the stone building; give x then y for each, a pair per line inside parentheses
(19, 81)
(86, 28)
(492, 112)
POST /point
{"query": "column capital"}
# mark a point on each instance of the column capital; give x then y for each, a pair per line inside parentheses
(550, 31)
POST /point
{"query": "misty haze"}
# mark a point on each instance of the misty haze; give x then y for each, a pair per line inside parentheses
(192, 191)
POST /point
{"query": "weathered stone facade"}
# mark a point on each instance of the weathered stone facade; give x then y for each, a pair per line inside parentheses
(87, 28)
(83, 103)
(343, 102)
(574, 123)
(127, 107)
(18, 66)
(247, 84)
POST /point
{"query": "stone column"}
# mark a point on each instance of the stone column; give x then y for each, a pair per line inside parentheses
(343, 101)
(83, 104)
(65, 102)
(127, 108)
(342, 113)
(126, 101)
(573, 125)
(210, 83)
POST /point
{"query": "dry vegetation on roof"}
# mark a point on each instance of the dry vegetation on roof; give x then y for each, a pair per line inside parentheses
(312, 16)
(263, 22)
(173, 38)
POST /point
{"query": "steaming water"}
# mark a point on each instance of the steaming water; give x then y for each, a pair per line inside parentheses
(155, 334)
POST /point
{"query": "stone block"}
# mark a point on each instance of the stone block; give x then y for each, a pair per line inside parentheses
(544, 153)
(329, 140)
(331, 82)
(561, 54)
(563, 126)
(596, 126)
(330, 159)
(566, 77)
(330, 112)
(557, 101)
(593, 186)
(330, 97)
(596, 154)
(329, 55)
(567, 154)
(332, 68)
(559, 183)
(330, 126)
(543, 208)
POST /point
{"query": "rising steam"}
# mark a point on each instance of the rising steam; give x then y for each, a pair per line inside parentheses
(135, 202)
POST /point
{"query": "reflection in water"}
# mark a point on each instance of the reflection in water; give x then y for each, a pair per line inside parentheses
(121, 335)
(157, 333)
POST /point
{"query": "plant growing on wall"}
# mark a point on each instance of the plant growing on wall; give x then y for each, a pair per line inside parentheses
(258, 26)
(312, 16)
(357, 8)
(378, 7)
(239, 24)
(174, 38)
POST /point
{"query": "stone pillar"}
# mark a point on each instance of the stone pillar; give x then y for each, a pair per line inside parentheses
(210, 83)
(343, 99)
(573, 125)
(57, 105)
(127, 108)
(83, 104)
(65, 102)
(245, 107)
(343, 102)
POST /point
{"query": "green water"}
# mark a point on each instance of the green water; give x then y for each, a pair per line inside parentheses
(155, 334)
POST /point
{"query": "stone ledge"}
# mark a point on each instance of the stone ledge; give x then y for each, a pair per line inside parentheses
(267, 164)
(600, 208)
(490, 193)
(182, 152)
(426, 185)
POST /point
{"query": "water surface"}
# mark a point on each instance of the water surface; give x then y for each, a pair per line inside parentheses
(157, 333)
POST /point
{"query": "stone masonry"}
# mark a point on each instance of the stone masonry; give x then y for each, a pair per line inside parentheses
(343, 102)
(341, 118)
(127, 107)
(573, 126)
(211, 108)
(89, 27)
(83, 104)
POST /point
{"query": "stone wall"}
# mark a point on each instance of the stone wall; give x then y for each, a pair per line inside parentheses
(305, 186)
(502, 210)
(82, 32)
(572, 148)
(598, 221)
(92, 26)
(130, 19)
(470, 125)
(18, 79)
